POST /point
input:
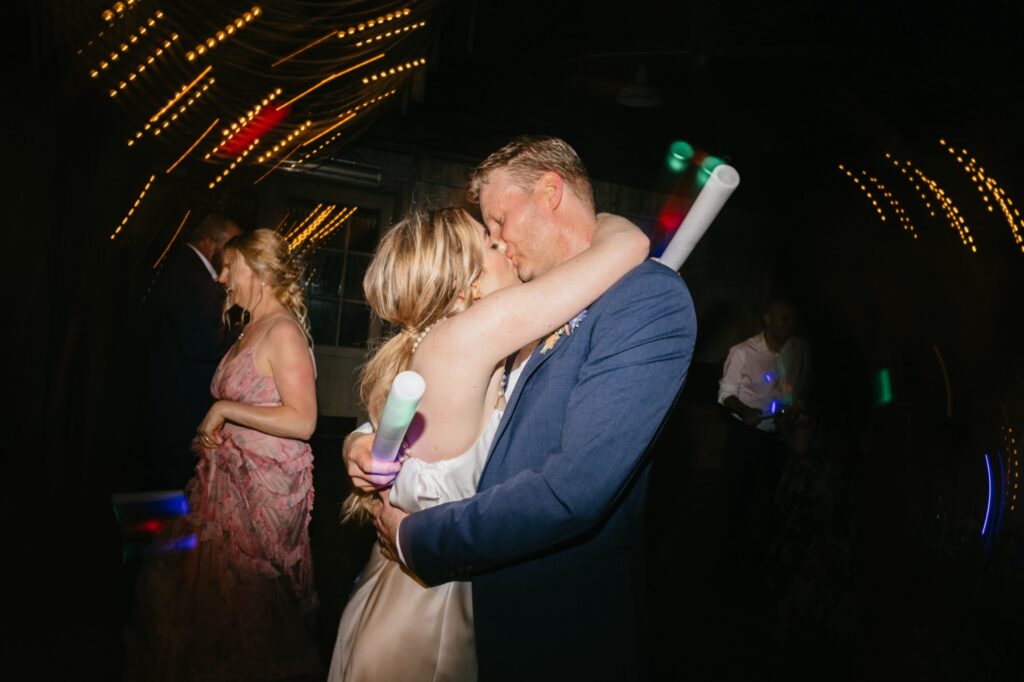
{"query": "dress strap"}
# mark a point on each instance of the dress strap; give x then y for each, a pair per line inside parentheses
(273, 322)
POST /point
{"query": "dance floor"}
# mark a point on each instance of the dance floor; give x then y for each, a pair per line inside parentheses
(805, 613)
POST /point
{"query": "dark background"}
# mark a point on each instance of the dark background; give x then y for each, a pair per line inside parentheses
(782, 91)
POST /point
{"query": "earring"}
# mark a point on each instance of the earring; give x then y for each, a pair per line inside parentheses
(262, 284)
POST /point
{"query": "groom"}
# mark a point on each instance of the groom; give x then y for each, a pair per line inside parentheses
(553, 541)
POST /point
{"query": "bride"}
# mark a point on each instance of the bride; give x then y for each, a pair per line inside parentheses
(466, 324)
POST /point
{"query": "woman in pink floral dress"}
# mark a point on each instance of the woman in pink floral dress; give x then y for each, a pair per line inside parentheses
(240, 605)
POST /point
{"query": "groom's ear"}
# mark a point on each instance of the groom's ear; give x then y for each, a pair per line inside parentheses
(550, 187)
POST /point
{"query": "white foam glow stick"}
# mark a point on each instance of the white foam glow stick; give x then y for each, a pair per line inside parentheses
(724, 179)
(399, 409)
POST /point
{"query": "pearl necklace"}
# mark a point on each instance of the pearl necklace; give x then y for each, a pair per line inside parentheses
(419, 336)
(501, 388)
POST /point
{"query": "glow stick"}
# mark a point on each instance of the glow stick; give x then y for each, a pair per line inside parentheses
(724, 179)
(399, 409)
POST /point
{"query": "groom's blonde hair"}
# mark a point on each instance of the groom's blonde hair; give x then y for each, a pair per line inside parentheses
(528, 157)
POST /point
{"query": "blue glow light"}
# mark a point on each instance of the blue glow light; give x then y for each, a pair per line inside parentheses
(769, 377)
(774, 407)
(128, 506)
(182, 544)
(988, 506)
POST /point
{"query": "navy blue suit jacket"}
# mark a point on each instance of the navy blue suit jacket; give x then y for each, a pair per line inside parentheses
(181, 337)
(554, 539)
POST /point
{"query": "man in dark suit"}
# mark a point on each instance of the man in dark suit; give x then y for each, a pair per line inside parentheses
(553, 541)
(183, 337)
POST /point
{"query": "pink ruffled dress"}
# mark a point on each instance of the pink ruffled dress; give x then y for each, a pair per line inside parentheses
(241, 605)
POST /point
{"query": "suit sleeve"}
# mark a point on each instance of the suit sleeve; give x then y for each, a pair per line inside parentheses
(193, 309)
(641, 348)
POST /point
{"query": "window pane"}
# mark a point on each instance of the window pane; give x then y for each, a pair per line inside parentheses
(354, 270)
(324, 273)
(355, 325)
(323, 320)
(336, 240)
(363, 227)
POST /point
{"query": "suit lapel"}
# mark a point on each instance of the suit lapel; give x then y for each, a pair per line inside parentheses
(537, 358)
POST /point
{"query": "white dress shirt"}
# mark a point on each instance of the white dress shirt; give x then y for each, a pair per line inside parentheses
(206, 262)
(761, 378)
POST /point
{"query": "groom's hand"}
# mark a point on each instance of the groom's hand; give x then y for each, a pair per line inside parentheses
(387, 520)
(367, 474)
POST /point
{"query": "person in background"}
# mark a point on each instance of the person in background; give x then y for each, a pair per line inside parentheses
(227, 592)
(763, 385)
(183, 336)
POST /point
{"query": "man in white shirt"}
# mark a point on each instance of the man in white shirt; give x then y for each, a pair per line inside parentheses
(764, 378)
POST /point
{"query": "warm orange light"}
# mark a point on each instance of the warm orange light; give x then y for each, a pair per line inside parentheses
(332, 77)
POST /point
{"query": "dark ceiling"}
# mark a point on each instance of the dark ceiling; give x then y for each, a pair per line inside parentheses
(778, 89)
(768, 86)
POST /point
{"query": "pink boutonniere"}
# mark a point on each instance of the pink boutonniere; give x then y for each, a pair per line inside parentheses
(565, 330)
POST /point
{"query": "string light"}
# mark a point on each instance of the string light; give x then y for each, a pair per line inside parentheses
(117, 11)
(352, 30)
(176, 232)
(269, 154)
(178, 95)
(396, 70)
(134, 206)
(143, 44)
(222, 35)
(183, 107)
(276, 165)
(194, 145)
(354, 109)
(332, 77)
(1012, 465)
(141, 68)
(894, 204)
(157, 129)
(302, 222)
(998, 195)
(956, 220)
(382, 19)
(302, 49)
(236, 127)
(864, 188)
(297, 241)
(329, 228)
(336, 125)
(393, 33)
(234, 164)
(131, 40)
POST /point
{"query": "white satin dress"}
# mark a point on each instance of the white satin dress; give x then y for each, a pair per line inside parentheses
(394, 629)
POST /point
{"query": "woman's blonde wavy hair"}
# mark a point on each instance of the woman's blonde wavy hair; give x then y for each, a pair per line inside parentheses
(266, 253)
(422, 271)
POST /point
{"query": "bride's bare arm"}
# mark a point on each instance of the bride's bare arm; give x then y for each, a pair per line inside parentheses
(510, 318)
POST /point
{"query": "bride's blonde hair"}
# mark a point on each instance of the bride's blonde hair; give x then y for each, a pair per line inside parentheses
(421, 272)
(267, 255)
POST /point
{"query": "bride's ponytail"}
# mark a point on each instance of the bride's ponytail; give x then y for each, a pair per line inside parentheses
(417, 276)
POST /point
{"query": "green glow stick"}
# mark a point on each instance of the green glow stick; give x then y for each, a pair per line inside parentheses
(400, 408)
